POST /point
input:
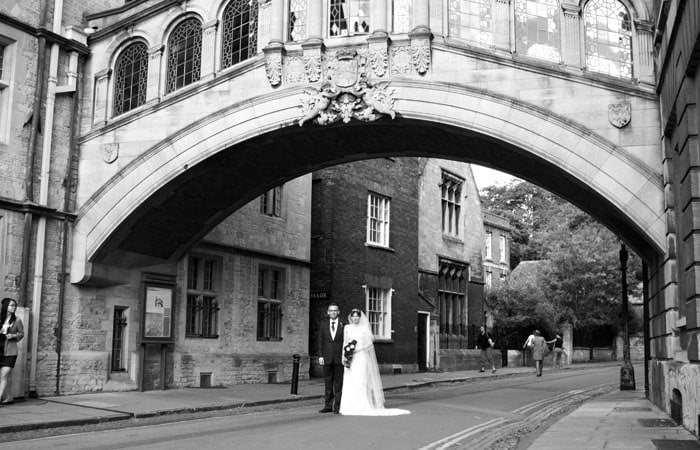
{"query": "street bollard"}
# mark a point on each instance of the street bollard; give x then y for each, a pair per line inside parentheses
(295, 373)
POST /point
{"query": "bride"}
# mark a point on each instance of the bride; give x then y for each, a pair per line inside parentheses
(363, 394)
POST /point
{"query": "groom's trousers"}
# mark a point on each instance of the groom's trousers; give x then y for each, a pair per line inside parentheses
(333, 377)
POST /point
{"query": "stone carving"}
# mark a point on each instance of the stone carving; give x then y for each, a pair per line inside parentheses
(400, 61)
(295, 69)
(378, 62)
(619, 114)
(420, 56)
(273, 68)
(110, 152)
(346, 94)
(312, 66)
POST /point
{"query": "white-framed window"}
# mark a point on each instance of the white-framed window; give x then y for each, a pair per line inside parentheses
(402, 14)
(487, 245)
(202, 318)
(451, 191)
(489, 278)
(271, 202)
(608, 38)
(6, 77)
(270, 297)
(378, 306)
(378, 214)
(471, 20)
(502, 248)
(348, 17)
(298, 20)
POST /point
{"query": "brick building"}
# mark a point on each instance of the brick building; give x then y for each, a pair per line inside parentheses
(396, 237)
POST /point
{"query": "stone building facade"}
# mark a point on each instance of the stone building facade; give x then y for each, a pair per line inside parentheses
(496, 248)
(396, 237)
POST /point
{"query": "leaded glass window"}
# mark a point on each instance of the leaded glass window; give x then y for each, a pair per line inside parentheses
(348, 17)
(403, 10)
(608, 38)
(184, 55)
(240, 32)
(451, 189)
(298, 20)
(537, 29)
(130, 78)
(471, 20)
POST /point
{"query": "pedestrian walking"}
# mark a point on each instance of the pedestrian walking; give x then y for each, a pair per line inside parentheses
(527, 350)
(558, 351)
(539, 347)
(485, 343)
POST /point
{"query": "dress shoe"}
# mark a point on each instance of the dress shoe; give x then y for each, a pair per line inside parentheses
(336, 412)
(325, 410)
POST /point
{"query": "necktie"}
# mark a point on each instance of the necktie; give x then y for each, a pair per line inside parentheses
(333, 325)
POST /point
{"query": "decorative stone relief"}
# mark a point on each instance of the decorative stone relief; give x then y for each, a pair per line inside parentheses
(295, 70)
(273, 67)
(312, 66)
(619, 114)
(420, 56)
(347, 94)
(401, 61)
(379, 62)
(110, 152)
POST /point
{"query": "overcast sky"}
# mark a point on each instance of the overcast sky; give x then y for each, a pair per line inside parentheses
(488, 177)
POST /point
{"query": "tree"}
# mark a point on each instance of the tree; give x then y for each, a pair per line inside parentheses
(580, 281)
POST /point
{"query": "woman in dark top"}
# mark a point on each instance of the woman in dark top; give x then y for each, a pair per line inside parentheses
(11, 332)
(558, 350)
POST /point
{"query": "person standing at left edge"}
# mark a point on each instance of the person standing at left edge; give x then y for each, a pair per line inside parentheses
(331, 359)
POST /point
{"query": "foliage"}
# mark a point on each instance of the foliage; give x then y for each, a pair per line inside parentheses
(579, 282)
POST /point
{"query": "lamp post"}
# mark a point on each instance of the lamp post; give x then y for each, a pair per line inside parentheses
(627, 370)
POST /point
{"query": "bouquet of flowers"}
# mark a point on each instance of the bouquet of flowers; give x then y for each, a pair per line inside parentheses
(348, 351)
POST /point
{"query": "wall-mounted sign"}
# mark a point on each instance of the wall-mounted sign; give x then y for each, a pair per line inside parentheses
(319, 295)
(157, 324)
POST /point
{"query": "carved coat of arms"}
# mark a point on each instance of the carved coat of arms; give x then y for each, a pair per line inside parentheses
(110, 152)
(346, 94)
(619, 114)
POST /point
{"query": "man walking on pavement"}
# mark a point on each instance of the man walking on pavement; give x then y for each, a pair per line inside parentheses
(485, 343)
(331, 359)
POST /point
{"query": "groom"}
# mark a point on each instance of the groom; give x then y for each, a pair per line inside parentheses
(331, 346)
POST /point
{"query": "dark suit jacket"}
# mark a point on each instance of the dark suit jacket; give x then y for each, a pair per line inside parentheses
(331, 349)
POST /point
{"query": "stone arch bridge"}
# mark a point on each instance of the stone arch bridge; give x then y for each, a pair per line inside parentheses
(154, 179)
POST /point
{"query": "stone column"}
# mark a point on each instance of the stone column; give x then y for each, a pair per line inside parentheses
(643, 52)
(315, 20)
(571, 36)
(567, 333)
(155, 56)
(313, 45)
(421, 36)
(501, 22)
(378, 17)
(99, 113)
(275, 48)
(208, 49)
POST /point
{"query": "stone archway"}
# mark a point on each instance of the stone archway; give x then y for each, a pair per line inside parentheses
(168, 197)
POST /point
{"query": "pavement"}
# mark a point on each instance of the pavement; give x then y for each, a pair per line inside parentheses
(608, 421)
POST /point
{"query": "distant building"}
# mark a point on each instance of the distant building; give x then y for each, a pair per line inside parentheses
(497, 236)
(399, 239)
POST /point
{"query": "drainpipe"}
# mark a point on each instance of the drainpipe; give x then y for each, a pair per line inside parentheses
(31, 151)
(44, 198)
(71, 87)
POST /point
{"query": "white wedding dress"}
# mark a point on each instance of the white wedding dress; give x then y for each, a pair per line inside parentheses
(363, 394)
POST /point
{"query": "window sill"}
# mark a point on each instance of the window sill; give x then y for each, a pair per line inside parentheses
(455, 239)
(197, 336)
(379, 247)
(269, 339)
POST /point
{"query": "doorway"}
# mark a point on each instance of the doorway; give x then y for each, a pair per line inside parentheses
(423, 348)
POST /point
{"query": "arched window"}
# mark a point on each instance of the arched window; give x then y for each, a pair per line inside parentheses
(130, 78)
(608, 38)
(348, 17)
(298, 20)
(537, 29)
(239, 31)
(184, 55)
(403, 10)
(471, 20)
